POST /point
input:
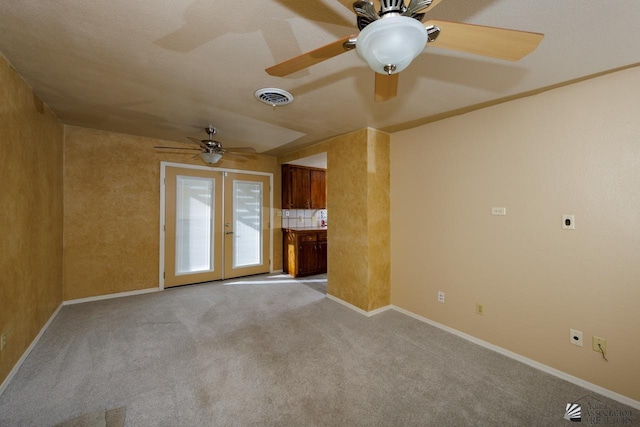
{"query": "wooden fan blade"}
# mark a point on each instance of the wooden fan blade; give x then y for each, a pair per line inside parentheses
(197, 141)
(376, 4)
(179, 148)
(308, 59)
(433, 4)
(240, 150)
(429, 7)
(235, 156)
(386, 87)
(349, 4)
(493, 42)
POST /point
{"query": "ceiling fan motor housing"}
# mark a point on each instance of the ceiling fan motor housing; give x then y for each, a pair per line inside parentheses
(391, 6)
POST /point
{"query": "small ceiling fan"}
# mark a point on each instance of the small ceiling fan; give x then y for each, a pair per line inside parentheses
(211, 151)
(392, 35)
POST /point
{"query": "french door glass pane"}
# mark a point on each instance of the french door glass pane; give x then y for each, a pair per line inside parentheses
(194, 224)
(247, 223)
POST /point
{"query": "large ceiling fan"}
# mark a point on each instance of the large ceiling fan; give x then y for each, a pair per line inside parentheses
(392, 35)
(211, 151)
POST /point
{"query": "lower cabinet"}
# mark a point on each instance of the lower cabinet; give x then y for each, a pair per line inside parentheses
(305, 252)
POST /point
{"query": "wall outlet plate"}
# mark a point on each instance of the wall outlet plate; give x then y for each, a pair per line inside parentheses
(440, 296)
(568, 222)
(480, 309)
(599, 340)
(575, 337)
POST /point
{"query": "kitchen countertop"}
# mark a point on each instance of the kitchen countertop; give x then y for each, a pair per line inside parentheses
(305, 229)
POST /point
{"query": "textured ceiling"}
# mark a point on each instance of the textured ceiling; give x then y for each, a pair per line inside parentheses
(168, 68)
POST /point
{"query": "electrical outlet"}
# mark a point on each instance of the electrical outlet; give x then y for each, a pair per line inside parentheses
(3, 341)
(479, 308)
(440, 296)
(575, 337)
(568, 222)
(601, 342)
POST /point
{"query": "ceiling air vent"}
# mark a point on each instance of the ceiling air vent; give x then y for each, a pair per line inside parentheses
(273, 96)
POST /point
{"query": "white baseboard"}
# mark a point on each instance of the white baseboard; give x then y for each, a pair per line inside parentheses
(17, 366)
(358, 309)
(110, 296)
(552, 371)
(548, 369)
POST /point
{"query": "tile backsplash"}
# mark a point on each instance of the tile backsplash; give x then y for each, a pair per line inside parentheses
(304, 218)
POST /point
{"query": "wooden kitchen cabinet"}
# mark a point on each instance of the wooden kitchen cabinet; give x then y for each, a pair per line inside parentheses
(318, 186)
(305, 252)
(303, 188)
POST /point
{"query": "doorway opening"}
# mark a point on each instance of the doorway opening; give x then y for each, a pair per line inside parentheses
(305, 218)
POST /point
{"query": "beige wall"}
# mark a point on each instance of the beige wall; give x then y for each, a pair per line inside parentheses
(358, 206)
(31, 140)
(112, 208)
(574, 150)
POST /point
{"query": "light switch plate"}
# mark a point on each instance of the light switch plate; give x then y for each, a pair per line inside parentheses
(498, 211)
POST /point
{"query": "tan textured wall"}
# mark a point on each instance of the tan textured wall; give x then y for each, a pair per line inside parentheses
(573, 150)
(112, 208)
(378, 219)
(347, 234)
(31, 140)
(358, 204)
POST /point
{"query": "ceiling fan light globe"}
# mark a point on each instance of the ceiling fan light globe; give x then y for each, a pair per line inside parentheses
(394, 40)
(211, 158)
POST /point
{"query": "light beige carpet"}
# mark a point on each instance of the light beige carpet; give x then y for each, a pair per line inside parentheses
(272, 351)
(103, 418)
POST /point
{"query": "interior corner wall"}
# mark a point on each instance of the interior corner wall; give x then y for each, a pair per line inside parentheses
(358, 204)
(572, 150)
(31, 147)
(112, 210)
(347, 235)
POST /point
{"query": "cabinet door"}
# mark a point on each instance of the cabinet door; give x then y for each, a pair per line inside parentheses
(300, 188)
(307, 258)
(322, 257)
(287, 244)
(286, 187)
(318, 189)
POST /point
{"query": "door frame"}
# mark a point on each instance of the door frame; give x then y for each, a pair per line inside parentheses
(164, 165)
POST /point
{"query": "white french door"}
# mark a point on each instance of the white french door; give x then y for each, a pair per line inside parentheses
(216, 225)
(246, 225)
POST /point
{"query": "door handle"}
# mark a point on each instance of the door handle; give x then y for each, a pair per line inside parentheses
(228, 232)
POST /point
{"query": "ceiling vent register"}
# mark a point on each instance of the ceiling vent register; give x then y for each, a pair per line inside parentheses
(273, 96)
